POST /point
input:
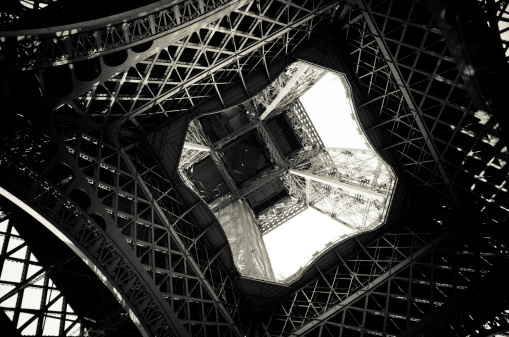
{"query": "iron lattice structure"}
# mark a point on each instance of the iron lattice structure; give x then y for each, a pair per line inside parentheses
(98, 114)
(364, 171)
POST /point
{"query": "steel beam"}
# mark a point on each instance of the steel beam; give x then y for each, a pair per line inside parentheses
(284, 91)
(42, 273)
(177, 239)
(405, 91)
(234, 135)
(197, 147)
(371, 286)
(272, 221)
(322, 213)
(100, 271)
(275, 152)
(344, 186)
(224, 173)
(341, 149)
(228, 60)
(263, 179)
(85, 40)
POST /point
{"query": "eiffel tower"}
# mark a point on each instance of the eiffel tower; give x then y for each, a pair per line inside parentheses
(101, 233)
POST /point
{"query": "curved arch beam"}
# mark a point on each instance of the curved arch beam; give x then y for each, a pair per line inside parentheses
(46, 47)
(31, 192)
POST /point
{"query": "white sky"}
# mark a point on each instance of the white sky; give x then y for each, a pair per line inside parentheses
(329, 109)
(32, 296)
(292, 245)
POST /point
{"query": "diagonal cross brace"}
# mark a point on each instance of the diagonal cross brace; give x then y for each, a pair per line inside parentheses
(372, 285)
(230, 59)
(405, 91)
(186, 254)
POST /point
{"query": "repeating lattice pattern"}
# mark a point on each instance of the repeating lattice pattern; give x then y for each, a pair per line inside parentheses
(443, 143)
(28, 295)
(450, 152)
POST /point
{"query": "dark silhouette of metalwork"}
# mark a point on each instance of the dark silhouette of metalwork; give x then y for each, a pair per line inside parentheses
(96, 117)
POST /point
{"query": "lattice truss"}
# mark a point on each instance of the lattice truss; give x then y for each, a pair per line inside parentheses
(281, 96)
(281, 92)
(451, 152)
(362, 168)
(489, 314)
(356, 211)
(281, 212)
(356, 168)
(128, 194)
(39, 50)
(295, 80)
(192, 68)
(28, 295)
(446, 146)
(304, 128)
(463, 138)
(196, 135)
(389, 285)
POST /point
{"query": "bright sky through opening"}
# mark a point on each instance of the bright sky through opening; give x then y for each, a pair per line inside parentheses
(11, 274)
(293, 244)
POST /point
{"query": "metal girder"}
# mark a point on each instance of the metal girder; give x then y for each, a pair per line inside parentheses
(228, 60)
(284, 91)
(197, 147)
(125, 202)
(234, 135)
(162, 215)
(42, 273)
(224, 173)
(344, 223)
(408, 294)
(23, 289)
(405, 91)
(304, 128)
(355, 209)
(270, 97)
(345, 186)
(189, 157)
(275, 152)
(79, 232)
(262, 180)
(353, 276)
(200, 253)
(411, 162)
(270, 220)
(62, 45)
(367, 289)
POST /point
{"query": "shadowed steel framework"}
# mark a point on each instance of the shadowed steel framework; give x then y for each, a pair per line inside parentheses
(98, 101)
